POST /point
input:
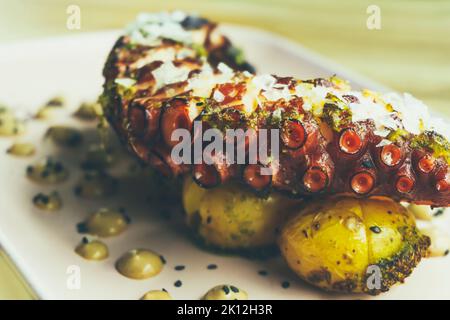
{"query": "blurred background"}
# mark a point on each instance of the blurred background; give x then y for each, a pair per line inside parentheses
(410, 52)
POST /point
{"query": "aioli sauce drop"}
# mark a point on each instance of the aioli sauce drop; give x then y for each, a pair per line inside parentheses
(139, 264)
(104, 223)
(157, 295)
(48, 171)
(22, 149)
(88, 111)
(92, 250)
(9, 124)
(225, 292)
(50, 202)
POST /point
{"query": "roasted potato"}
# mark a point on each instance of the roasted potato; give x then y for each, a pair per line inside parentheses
(232, 217)
(353, 245)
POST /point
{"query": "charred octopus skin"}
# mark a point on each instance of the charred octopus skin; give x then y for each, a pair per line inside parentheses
(170, 70)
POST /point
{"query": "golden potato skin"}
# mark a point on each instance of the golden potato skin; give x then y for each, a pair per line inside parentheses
(331, 244)
(232, 217)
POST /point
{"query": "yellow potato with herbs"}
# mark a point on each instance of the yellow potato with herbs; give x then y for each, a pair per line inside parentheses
(233, 217)
(353, 245)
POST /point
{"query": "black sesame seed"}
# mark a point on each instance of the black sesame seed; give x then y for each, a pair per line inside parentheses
(127, 218)
(226, 289)
(74, 140)
(82, 228)
(85, 240)
(375, 229)
(45, 173)
(446, 252)
(58, 167)
(44, 198)
(163, 260)
(29, 169)
(77, 190)
(37, 198)
(164, 290)
(285, 284)
(179, 268)
(212, 266)
(178, 283)
(263, 273)
(438, 212)
(234, 289)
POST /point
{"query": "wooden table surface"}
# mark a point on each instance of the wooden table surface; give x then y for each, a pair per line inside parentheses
(410, 53)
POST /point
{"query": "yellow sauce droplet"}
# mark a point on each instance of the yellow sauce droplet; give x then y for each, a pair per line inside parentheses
(47, 171)
(49, 110)
(64, 136)
(92, 250)
(95, 184)
(88, 111)
(139, 264)
(57, 101)
(9, 124)
(226, 292)
(104, 223)
(22, 149)
(50, 202)
(157, 295)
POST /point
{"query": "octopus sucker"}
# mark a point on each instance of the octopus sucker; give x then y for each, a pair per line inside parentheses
(315, 179)
(362, 182)
(175, 115)
(350, 142)
(404, 184)
(391, 155)
(442, 180)
(331, 140)
(293, 134)
(144, 120)
(206, 175)
(425, 163)
(253, 176)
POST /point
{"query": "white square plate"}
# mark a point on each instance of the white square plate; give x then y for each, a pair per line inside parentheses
(41, 245)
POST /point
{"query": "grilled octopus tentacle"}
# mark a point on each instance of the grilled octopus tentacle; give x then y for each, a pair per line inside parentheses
(332, 140)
